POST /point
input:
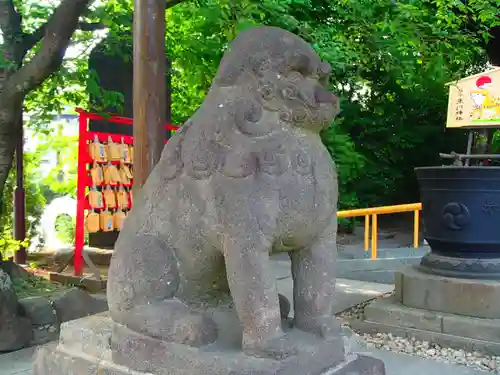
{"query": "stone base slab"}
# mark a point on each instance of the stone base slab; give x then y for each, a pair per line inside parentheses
(53, 360)
(451, 330)
(95, 345)
(468, 297)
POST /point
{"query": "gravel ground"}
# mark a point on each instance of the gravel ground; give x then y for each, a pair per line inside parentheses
(433, 351)
(357, 311)
(424, 349)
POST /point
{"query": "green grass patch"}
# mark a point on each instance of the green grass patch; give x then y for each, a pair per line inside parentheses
(35, 286)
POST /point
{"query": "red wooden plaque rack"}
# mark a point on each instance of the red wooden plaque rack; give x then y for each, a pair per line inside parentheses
(84, 179)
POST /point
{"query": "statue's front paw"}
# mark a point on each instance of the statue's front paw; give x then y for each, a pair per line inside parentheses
(279, 347)
(328, 327)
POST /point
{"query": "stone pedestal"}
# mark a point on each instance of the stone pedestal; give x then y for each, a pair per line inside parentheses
(459, 313)
(96, 345)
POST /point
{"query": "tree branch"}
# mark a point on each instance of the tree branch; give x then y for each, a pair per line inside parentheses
(10, 20)
(31, 39)
(10, 23)
(57, 34)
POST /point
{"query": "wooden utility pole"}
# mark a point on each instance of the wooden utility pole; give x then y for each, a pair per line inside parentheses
(149, 86)
(168, 101)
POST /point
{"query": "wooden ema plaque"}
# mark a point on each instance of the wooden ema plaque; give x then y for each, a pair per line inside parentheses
(474, 102)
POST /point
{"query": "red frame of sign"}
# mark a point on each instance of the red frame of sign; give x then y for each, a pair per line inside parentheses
(83, 178)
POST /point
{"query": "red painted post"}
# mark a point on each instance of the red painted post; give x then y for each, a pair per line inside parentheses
(80, 194)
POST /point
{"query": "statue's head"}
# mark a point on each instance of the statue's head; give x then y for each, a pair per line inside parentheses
(280, 73)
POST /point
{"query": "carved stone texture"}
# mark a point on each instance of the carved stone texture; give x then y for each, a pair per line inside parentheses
(246, 176)
(76, 303)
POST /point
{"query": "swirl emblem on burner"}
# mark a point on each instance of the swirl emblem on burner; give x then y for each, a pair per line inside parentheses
(455, 215)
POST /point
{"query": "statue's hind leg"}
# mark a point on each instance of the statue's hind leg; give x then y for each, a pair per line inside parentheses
(143, 280)
(313, 271)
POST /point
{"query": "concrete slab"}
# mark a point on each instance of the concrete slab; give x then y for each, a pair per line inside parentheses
(469, 297)
(348, 292)
(346, 266)
(356, 264)
(381, 270)
(443, 339)
(478, 328)
(357, 252)
(403, 364)
(457, 331)
(18, 363)
(388, 311)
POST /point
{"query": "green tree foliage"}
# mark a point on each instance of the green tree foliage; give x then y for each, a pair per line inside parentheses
(61, 179)
(65, 229)
(41, 189)
(391, 61)
(35, 203)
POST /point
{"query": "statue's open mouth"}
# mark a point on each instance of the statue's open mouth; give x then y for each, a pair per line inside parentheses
(328, 112)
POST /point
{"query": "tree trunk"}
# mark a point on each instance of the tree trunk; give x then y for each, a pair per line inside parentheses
(9, 135)
(6, 156)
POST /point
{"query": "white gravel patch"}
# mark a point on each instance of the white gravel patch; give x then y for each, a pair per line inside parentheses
(412, 346)
(425, 349)
(357, 312)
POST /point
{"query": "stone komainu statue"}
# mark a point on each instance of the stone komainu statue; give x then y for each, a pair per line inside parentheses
(244, 177)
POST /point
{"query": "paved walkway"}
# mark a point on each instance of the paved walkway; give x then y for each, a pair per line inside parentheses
(348, 292)
(404, 364)
(18, 363)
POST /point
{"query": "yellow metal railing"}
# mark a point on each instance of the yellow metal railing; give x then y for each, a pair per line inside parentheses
(374, 211)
